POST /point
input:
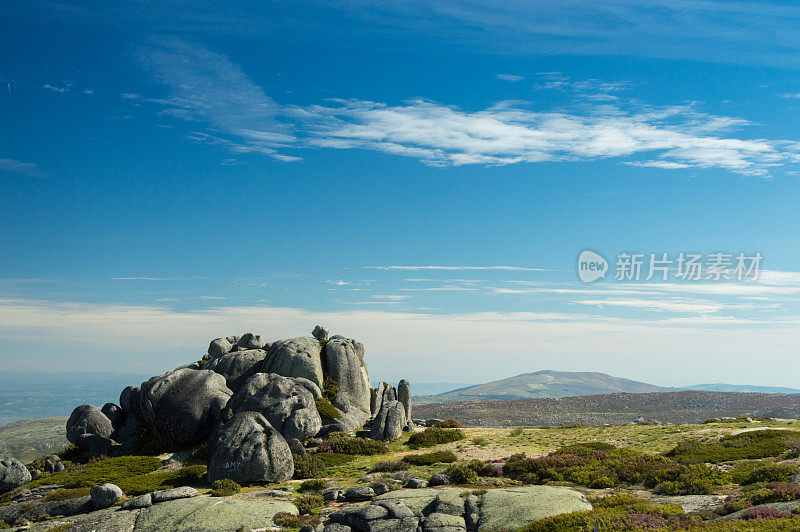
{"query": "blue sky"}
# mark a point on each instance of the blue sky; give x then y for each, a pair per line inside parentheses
(421, 176)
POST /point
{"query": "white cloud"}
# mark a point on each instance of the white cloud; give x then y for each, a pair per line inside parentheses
(55, 88)
(19, 167)
(513, 78)
(390, 297)
(449, 268)
(484, 345)
(667, 305)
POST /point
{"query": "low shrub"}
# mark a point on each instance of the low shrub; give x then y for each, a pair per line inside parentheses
(462, 473)
(308, 503)
(224, 488)
(516, 431)
(480, 441)
(448, 424)
(430, 458)
(573, 426)
(743, 446)
(775, 492)
(313, 485)
(434, 436)
(349, 445)
(762, 512)
(596, 465)
(635, 516)
(387, 466)
(188, 476)
(770, 473)
(315, 465)
(287, 520)
(64, 494)
(326, 409)
(111, 470)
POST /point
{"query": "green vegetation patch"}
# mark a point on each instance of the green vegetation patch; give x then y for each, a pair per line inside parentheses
(224, 488)
(109, 470)
(287, 520)
(306, 504)
(344, 444)
(433, 457)
(389, 466)
(448, 424)
(313, 485)
(434, 436)
(743, 446)
(326, 409)
(600, 465)
(316, 465)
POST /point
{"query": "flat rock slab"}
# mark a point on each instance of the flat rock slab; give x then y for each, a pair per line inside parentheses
(419, 500)
(210, 514)
(691, 503)
(108, 520)
(513, 508)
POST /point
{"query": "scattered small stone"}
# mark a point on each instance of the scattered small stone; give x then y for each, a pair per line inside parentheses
(439, 479)
(359, 493)
(142, 501)
(105, 495)
(416, 483)
(184, 492)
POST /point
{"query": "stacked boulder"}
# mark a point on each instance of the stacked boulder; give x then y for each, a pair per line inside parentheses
(253, 402)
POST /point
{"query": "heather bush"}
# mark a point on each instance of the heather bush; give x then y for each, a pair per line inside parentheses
(462, 473)
(287, 520)
(434, 436)
(516, 431)
(313, 485)
(433, 457)
(315, 465)
(746, 445)
(762, 512)
(770, 473)
(308, 503)
(224, 487)
(343, 444)
(636, 516)
(326, 409)
(448, 424)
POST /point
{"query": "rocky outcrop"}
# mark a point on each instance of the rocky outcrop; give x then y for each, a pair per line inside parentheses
(296, 357)
(13, 474)
(344, 363)
(250, 341)
(320, 332)
(88, 419)
(237, 367)
(219, 347)
(287, 404)
(388, 424)
(183, 406)
(249, 449)
(404, 396)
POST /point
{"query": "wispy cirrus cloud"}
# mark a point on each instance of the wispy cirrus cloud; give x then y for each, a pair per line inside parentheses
(23, 168)
(513, 78)
(207, 88)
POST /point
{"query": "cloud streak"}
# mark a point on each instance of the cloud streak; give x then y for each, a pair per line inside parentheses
(19, 167)
(206, 87)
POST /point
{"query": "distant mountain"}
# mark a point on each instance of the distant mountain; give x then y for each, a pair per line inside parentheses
(741, 388)
(542, 384)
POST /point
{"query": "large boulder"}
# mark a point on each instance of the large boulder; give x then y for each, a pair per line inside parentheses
(249, 449)
(183, 406)
(105, 495)
(513, 508)
(114, 414)
(212, 514)
(388, 424)
(250, 341)
(288, 405)
(404, 396)
(130, 401)
(13, 474)
(344, 363)
(297, 357)
(219, 347)
(237, 367)
(88, 419)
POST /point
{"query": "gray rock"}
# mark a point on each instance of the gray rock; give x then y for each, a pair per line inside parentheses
(97, 446)
(448, 502)
(114, 414)
(397, 510)
(310, 386)
(344, 363)
(105, 495)
(307, 528)
(472, 511)
(250, 341)
(142, 501)
(288, 406)
(87, 419)
(380, 488)
(359, 493)
(59, 467)
(416, 483)
(376, 399)
(183, 492)
(320, 332)
(237, 367)
(184, 405)
(129, 401)
(13, 474)
(296, 357)
(219, 347)
(388, 424)
(437, 522)
(404, 396)
(249, 449)
(68, 507)
(296, 447)
(439, 479)
(513, 508)
(336, 527)
(333, 494)
(207, 514)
